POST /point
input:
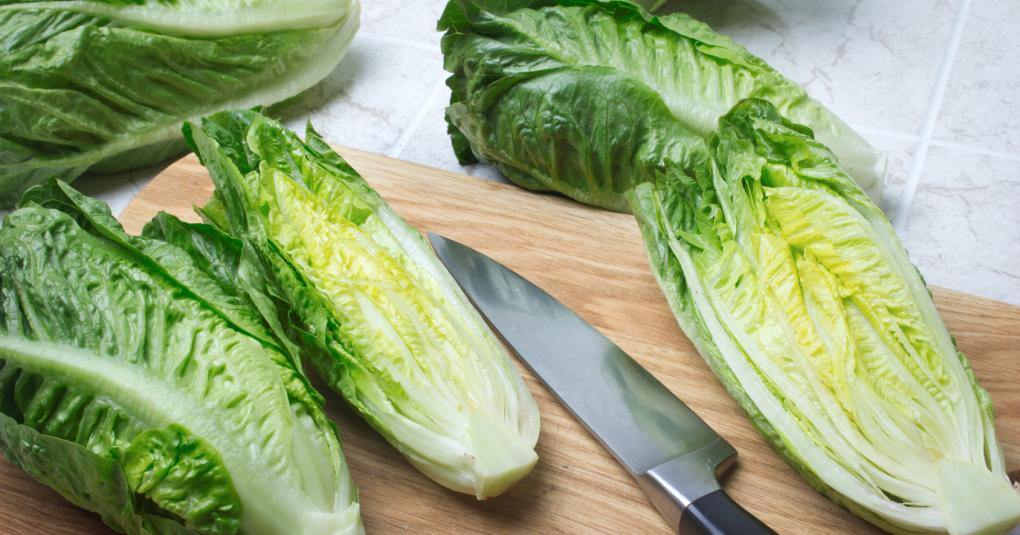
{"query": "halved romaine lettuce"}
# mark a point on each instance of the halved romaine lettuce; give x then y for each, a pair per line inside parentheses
(798, 294)
(136, 386)
(386, 325)
(103, 86)
(589, 97)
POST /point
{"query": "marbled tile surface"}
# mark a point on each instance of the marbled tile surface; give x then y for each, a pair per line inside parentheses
(964, 225)
(982, 101)
(933, 83)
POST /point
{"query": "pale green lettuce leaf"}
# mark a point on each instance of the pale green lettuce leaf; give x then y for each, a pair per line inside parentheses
(798, 294)
(385, 324)
(132, 384)
(106, 85)
(589, 97)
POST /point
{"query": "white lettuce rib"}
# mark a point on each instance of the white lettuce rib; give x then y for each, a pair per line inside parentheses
(211, 18)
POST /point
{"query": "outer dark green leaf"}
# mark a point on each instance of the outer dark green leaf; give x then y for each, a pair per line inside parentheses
(168, 465)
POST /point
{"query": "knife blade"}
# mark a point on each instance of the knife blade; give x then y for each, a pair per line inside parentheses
(674, 455)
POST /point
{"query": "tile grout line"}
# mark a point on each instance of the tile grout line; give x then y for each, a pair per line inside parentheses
(928, 127)
(400, 41)
(975, 150)
(892, 134)
(418, 119)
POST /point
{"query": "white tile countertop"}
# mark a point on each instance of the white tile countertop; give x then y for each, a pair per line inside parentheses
(933, 83)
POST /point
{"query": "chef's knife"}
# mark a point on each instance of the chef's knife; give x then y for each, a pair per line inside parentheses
(673, 454)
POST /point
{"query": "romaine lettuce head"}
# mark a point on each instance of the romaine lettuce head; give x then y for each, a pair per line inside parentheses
(134, 385)
(385, 324)
(104, 85)
(796, 291)
(589, 97)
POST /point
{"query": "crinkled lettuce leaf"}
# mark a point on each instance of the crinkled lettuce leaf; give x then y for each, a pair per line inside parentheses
(104, 86)
(139, 387)
(589, 97)
(796, 291)
(384, 323)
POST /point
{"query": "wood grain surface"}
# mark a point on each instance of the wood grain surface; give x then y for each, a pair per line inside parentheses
(594, 262)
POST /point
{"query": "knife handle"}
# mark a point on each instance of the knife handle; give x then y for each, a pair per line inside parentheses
(717, 514)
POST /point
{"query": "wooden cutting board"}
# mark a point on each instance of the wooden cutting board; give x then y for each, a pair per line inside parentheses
(594, 262)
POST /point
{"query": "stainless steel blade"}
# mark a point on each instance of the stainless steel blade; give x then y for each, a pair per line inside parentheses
(634, 415)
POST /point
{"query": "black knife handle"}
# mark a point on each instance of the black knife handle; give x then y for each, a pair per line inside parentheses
(716, 514)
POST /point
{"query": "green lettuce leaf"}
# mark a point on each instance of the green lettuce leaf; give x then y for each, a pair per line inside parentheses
(137, 387)
(589, 97)
(796, 291)
(104, 86)
(385, 324)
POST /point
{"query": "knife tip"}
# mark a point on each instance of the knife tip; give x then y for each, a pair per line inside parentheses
(434, 237)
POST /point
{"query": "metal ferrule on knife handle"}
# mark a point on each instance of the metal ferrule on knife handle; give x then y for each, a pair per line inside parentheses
(686, 492)
(674, 484)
